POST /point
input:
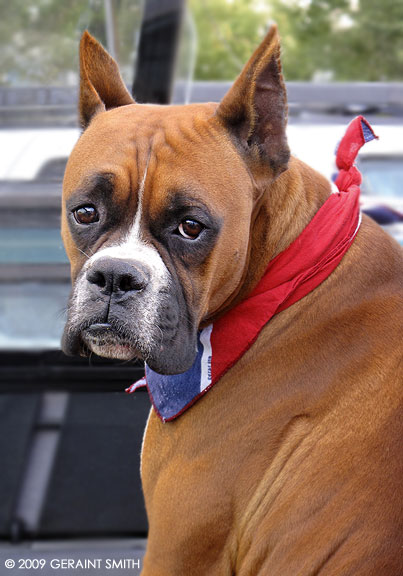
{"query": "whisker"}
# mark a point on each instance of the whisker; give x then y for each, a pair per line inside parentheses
(62, 312)
(82, 252)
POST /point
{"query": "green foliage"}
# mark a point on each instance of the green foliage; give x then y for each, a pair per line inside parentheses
(39, 38)
(308, 35)
(333, 39)
(227, 34)
(323, 39)
(32, 46)
(374, 45)
(344, 40)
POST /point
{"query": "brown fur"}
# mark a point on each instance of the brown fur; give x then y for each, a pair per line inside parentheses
(292, 464)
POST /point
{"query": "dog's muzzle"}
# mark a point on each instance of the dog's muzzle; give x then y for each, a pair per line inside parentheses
(120, 309)
(113, 281)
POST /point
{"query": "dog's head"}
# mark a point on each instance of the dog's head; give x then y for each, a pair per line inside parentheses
(158, 206)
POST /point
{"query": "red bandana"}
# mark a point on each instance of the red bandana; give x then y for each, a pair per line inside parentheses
(290, 276)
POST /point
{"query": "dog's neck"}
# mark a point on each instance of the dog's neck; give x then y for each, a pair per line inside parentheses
(288, 205)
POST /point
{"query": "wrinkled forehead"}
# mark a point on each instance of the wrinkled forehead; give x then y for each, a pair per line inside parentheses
(126, 138)
(170, 143)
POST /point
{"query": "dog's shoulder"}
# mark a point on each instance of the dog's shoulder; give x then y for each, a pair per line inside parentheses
(379, 249)
(374, 274)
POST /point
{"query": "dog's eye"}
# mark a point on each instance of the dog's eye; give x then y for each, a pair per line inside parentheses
(86, 215)
(190, 229)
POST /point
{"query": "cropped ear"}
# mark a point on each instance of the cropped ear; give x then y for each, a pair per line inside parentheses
(101, 85)
(254, 110)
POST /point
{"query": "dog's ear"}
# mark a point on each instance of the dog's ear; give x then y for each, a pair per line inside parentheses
(254, 110)
(101, 85)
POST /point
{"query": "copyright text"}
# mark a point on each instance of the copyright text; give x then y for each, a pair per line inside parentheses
(73, 564)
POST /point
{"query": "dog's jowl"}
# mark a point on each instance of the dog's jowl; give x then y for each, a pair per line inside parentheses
(267, 313)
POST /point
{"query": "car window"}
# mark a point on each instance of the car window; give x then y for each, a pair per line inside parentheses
(383, 176)
(34, 270)
(32, 314)
(31, 246)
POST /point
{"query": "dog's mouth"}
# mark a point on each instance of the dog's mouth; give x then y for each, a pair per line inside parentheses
(167, 343)
(104, 340)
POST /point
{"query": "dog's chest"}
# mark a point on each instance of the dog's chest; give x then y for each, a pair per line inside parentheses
(201, 471)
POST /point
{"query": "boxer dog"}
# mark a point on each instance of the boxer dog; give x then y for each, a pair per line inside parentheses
(184, 224)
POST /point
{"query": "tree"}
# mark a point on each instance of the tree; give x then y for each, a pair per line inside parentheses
(347, 40)
(39, 38)
(338, 39)
(227, 34)
(373, 46)
(343, 40)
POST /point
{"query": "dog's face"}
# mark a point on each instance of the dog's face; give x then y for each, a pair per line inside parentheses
(157, 209)
(156, 241)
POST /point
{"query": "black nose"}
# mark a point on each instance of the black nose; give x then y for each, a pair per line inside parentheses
(112, 275)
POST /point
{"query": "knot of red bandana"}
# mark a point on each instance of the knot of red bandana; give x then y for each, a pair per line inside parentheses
(357, 134)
